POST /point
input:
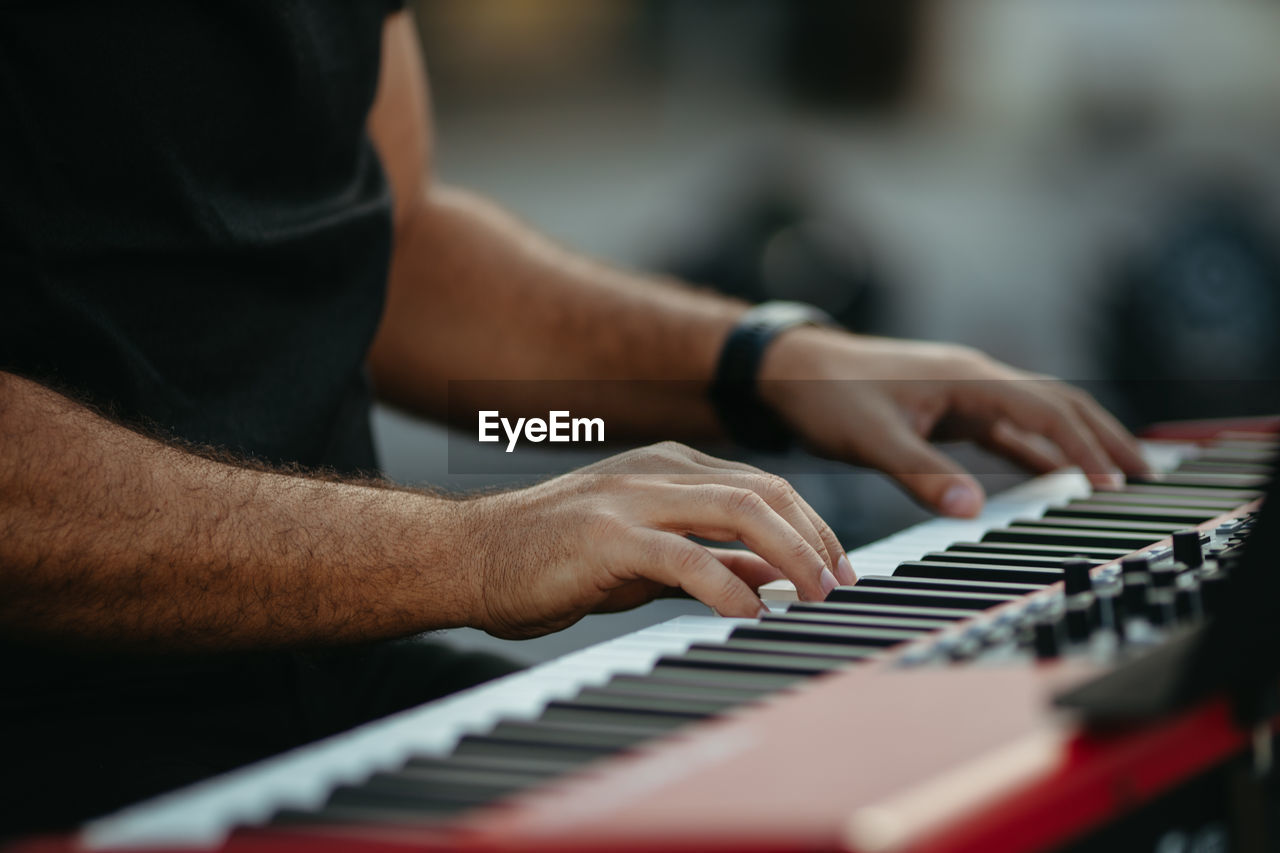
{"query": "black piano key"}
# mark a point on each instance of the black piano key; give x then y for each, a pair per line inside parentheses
(1181, 490)
(810, 634)
(603, 736)
(996, 558)
(1112, 512)
(1256, 455)
(680, 674)
(569, 713)
(660, 712)
(542, 768)
(1202, 480)
(1136, 528)
(706, 659)
(569, 754)
(1042, 549)
(1225, 466)
(684, 702)
(855, 620)
(845, 651)
(622, 692)
(1214, 505)
(420, 814)
(406, 790)
(862, 594)
(975, 587)
(1038, 577)
(909, 609)
(1072, 538)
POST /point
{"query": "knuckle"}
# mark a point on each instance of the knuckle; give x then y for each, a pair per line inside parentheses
(744, 502)
(801, 551)
(728, 588)
(670, 449)
(603, 526)
(773, 488)
(684, 559)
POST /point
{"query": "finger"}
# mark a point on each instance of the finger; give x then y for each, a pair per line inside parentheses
(1042, 413)
(1029, 451)
(724, 513)
(1116, 440)
(928, 475)
(754, 570)
(827, 543)
(675, 561)
(834, 550)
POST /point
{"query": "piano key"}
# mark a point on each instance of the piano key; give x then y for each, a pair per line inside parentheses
(995, 558)
(1158, 487)
(861, 594)
(1122, 512)
(671, 716)
(1041, 549)
(358, 815)
(966, 586)
(908, 610)
(853, 619)
(1215, 505)
(844, 651)
(656, 693)
(731, 661)
(600, 736)
(1225, 466)
(1039, 577)
(1101, 525)
(570, 754)
(809, 634)
(498, 764)
(1072, 538)
(390, 790)
(1238, 454)
(1204, 480)
(763, 681)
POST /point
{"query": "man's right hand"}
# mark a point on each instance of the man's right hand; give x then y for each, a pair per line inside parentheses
(615, 534)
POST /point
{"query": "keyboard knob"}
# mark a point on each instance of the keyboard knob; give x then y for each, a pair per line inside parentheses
(1135, 565)
(1136, 585)
(1186, 603)
(1186, 547)
(1075, 576)
(1079, 619)
(1045, 638)
(1163, 577)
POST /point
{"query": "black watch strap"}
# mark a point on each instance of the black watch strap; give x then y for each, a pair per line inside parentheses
(734, 391)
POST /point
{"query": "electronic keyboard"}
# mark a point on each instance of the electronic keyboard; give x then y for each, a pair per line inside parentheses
(910, 711)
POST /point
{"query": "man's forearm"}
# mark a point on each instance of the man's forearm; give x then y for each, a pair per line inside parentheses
(108, 538)
(475, 294)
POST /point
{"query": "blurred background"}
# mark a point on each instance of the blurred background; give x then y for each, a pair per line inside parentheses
(1086, 189)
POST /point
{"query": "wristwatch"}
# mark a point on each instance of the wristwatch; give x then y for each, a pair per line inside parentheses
(734, 390)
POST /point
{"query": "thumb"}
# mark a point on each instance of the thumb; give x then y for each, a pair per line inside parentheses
(929, 476)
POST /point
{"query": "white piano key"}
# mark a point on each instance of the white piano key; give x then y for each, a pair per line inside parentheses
(203, 814)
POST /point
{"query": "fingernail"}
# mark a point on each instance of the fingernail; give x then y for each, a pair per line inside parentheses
(961, 500)
(844, 570)
(1115, 479)
(828, 582)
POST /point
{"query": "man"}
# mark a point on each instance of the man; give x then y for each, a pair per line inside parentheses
(218, 222)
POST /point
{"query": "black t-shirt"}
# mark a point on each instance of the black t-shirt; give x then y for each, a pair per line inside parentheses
(194, 225)
(195, 234)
